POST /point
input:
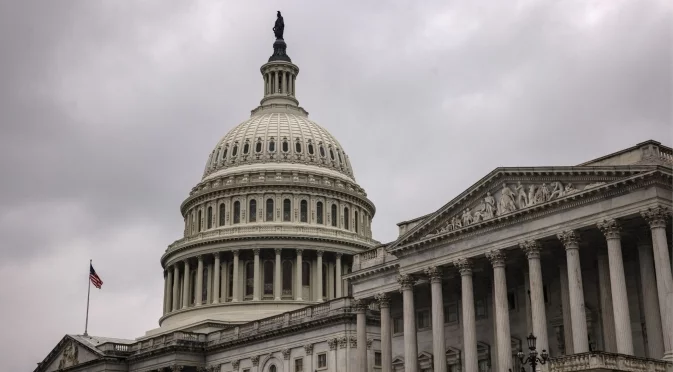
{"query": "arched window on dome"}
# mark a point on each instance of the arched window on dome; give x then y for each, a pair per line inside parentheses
(258, 145)
(310, 148)
(269, 210)
(303, 206)
(287, 210)
(287, 279)
(252, 211)
(335, 215)
(224, 155)
(357, 221)
(347, 216)
(319, 212)
(216, 159)
(237, 211)
(322, 150)
(209, 221)
(285, 146)
(272, 145)
(339, 155)
(331, 153)
(223, 214)
(234, 152)
(268, 277)
(249, 278)
(199, 222)
(246, 147)
(273, 369)
(297, 146)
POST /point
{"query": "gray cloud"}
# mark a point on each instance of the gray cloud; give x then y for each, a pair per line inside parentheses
(109, 110)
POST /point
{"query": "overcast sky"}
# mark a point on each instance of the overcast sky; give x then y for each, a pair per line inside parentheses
(109, 109)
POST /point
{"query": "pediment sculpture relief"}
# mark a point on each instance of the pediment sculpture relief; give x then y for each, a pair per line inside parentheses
(69, 356)
(508, 200)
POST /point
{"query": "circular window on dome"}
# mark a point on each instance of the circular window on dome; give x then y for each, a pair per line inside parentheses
(285, 146)
(310, 148)
(297, 147)
(272, 145)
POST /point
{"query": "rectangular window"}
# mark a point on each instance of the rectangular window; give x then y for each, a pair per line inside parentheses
(423, 319)
(511, 300)
(322, 360)
(377, 359)
(299, 365)
(451, 313)
(480, 309)
(398, 325)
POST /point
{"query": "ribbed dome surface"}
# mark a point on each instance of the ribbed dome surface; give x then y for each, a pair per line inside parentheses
(278, 137)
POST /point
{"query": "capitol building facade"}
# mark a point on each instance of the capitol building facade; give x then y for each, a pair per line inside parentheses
(277, 269)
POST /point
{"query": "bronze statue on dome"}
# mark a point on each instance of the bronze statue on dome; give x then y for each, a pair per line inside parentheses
(279, 27)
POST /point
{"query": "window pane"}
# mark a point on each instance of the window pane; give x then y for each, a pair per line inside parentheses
(237, 212)
(210, 218)
(356, 221)
(304, 211)
(223, 214)
(305, 274)
(268, 277)
(322, 360)
(318, 209)
(287, 213)
(249, 278)
(377, 359)
(346, 219)
(287, 278)
(335, 216)
(199, 221)
(269, 209)
(252, 212)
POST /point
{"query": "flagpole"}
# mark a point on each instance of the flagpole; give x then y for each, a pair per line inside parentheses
(88, 293)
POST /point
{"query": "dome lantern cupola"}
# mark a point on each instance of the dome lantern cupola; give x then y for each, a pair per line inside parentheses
(279, 72)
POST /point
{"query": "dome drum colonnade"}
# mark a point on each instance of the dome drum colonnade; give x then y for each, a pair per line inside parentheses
(654, 264)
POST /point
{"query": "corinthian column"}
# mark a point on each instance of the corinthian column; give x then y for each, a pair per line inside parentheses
(386, 333)
(168, 300)
(469, 325)
(657, 217)
(570, 240)
(410, 343)
(255, 275)
(620, 300)
(565, 308)
(176, 287)
(216, 278)
(319, 275)
(299, 283)
(360, 308)
(503, 337)
(607, 312)
(185, 286)
(236, 288)
(277, 278)
(655, 341)
(539, 316)
(438, 344)
(198, 296)
(339, 282)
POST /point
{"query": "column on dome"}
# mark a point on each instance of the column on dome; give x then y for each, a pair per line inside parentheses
(224, 282)
(266, 84)
(168, 303)
(216, 278)
(502, 331)
(185, 285)
(570, 240)
(176, 287)
(277, 278)
(435, 274)
(284, 87)
(337, 269)
(655, 341)
(209, 285)
(298, 283)
(319, 253)
(276, 82)
(290, 82)
(469, 324)
(539, 317)
(294, 79)
(406, 282)
(235, 296)
(256, 276)
(620, 301)
(657, 218)
(360, 309)
(386, 332)
(198, 296)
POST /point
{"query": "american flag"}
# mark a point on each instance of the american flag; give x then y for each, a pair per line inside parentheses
(95, 280)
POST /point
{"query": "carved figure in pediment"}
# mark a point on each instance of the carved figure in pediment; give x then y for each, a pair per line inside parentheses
(531, 195)
(506, 200)
(538, 196)
(570, 189)
(478, 216)
(69, 356)
(455, 221)
(545, 192)
(490, 209)
(467, 217)
(521, 197)
(557, 192)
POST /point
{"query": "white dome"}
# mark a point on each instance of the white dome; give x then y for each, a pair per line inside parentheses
(280, 139)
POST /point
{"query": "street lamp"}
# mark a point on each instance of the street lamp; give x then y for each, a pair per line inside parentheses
(532, 358)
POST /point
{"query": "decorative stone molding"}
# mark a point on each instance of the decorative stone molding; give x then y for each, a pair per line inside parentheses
(602, 361)
(332, 342)
(369, 344)
(569, 238)
(236, 252)
(359, 306)
(300, 251)
(338, 255)
(255, 360)
(199, 258)
(497, 257)
(353, 342)
(319, 253)
(406, 281)
(656, 216)
(464, 266)
(610, 228)
(278, 251)
(255, 251)
(286, 354)
(531, 248)
(176, 368)
(343, 342)
(235, 364)
(434, 273)
(308, 349)
(383, 299)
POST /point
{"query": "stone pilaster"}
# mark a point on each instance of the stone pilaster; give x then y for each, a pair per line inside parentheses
(406, 282)
(657, 218)
(607, 312)
(570, 240)
(360, 308)
(319, 275)
(435, 274)
(503, 338)
(277, 281)
(216, 278)
(386, 332)
(469, 323)
(538, 314)
(339, 282)
(176, 287)
(255, 275)
(236, 287)
(298, 283)
(655, 340)
(620, 301)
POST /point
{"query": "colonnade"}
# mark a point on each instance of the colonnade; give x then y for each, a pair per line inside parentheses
(253, 275)
(655, 269)
(279, 81)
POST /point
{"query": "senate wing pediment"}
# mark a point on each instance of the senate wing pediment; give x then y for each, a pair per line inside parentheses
(68, 353)
(510, 193)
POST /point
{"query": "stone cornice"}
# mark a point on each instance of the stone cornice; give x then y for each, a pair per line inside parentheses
(656, 175)
(372, 271)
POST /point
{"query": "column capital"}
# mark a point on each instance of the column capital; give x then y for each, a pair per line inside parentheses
(343, 342)
(278, 251)
(319, 252)
(338, 255)
(464, 266)
(308, 349)
(434, 273)
(186, 261)
(359, 306)
(235, 363)
(497, 257)
(216, 256)
(255, 251)
(332, 342)
(199, 258)
(569, 238)
(531, 248)
(406, 281)
(286, 354)
(255, 360)
(299, 251)
(236, 252)
(383, 299)
(656, 216)
(610, 228)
